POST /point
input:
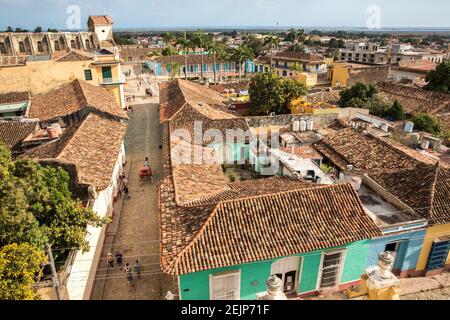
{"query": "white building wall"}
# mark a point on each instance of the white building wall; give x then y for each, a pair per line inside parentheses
(103, 32)
(82, 273)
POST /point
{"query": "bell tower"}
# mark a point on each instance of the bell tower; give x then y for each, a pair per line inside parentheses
(102, 27)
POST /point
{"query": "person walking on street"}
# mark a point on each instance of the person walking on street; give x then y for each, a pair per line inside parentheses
(138, 269)
(128, 273)
(119, 258)
(129, 277)
(126, 191)
(110, 260)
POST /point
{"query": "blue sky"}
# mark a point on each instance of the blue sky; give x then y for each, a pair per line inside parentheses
(201, 13)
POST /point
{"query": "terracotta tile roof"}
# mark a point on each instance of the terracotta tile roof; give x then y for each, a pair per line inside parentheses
(328, 97)
(93, 147)
(101, 20)
(236, 86)
(53, 148)
(426, 189)
(75, 56)
(72, 97)
(421, 66)
(410, 152)
(248, 188)
(12, 133)
(175, 94)
(305, 152)
(182, 103)
(364, 151)
(300, 56)
(416, 100)
(259, 227)
(14, 97)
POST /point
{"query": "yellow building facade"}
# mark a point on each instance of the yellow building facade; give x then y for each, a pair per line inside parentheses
(433, 233)
(39, 77)
(300, 106)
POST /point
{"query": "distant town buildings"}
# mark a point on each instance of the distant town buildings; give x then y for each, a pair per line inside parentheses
(373, 53)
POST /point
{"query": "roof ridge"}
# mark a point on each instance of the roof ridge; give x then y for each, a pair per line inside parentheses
(77, 83)
(213, 214)
(73, 135)
(436, 167)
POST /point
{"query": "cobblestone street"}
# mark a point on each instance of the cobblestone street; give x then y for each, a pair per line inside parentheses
(137, 232)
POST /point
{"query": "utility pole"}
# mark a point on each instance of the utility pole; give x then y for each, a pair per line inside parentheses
(55, 275)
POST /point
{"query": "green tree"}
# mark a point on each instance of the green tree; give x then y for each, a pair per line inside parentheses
(439, 79)
(378, 105)
(20, 264)
(427, 122)
(9, 29)
(241, 55)
(37, 207)
(257, 45)
(292, 89)
(215, 49)
(38, 29)
(396, 112)
(269, 93)
(272, 43)
(200, 39)
(185, 45)
(170, 52)
(266, 95)
(357, 94)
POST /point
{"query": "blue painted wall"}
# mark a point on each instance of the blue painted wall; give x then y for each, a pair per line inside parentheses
(408, 253)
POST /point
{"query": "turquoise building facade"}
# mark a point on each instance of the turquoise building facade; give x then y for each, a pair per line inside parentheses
(308, 275)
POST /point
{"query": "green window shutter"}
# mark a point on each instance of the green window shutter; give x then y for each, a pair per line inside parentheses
(107, 73)
(88, 74)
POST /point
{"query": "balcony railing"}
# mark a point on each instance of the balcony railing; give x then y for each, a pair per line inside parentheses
(106, 81)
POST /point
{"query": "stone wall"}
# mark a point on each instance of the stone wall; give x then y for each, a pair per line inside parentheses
(286, 120)
(368, 75)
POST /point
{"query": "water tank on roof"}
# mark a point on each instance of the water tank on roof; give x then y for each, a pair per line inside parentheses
(409, 126)
(303, 125)
(296, 126)
(425, 145)
(52, 132)
(310, 125)
(414, 138)
(57, 127)
(356, 182)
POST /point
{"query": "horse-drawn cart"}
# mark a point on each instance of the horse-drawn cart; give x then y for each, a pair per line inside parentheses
(146, 174)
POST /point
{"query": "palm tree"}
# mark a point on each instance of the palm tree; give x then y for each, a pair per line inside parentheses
(240, 54)
(154, 55)
(272, 42)
(296, 36)
(176, 69)
(215, 50)
(200, 39)
(184, 45)
(170, 52)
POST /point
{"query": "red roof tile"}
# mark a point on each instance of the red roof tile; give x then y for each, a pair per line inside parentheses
(259, 228)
